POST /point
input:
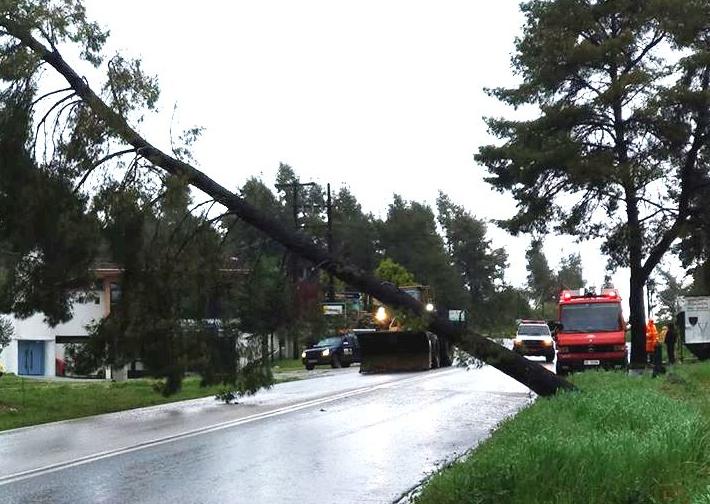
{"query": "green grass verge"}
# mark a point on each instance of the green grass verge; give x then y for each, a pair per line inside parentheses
(26, 401)
(620, 440)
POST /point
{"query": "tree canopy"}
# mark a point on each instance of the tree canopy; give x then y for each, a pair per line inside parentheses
(409, 236)
(48, 236)
(541, 279)
(618, 150)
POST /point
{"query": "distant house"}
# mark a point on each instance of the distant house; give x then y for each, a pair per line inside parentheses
(37, 349)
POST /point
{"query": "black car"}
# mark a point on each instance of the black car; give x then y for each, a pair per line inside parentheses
(338, 351)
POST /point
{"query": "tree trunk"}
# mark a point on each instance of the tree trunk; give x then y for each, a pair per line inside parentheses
(531, 374)
(294, 342)
(638, 321)
(636, 282)
(265, 360)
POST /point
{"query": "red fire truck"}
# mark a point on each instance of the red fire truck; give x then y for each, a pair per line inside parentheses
(590, 331)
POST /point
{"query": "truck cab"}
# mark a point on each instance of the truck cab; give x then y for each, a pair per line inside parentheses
(590, 331)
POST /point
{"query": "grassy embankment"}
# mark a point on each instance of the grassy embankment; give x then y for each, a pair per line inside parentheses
(25, 401)
(622, 440)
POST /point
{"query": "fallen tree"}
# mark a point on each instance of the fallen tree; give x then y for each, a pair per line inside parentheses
(533, 375)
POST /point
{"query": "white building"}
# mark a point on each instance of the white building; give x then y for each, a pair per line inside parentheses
(36, 348)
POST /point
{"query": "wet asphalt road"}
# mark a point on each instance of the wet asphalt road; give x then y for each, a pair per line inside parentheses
(342, 437)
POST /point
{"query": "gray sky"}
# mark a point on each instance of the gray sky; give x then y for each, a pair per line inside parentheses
(384, 96)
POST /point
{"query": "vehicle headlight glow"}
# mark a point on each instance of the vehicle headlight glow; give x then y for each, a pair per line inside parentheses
(326, 352)
(303, 354)
(517, 342)
(547, 342)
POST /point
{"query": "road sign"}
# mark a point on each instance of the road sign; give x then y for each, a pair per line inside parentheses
(333, 309)
(350, 296)
(457, 315)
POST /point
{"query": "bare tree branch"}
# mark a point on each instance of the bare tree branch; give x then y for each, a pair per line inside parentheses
(699, 136)
(99, 163)
(187, 214)
(46, 95)
(45, 116)
(654, 214)
(655, 40)
(198, 230)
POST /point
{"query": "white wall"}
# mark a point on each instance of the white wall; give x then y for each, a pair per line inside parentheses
(34, 328)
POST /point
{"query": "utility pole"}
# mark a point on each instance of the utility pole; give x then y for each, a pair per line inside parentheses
(329, 235)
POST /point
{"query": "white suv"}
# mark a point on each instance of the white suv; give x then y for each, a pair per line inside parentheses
(534, 338)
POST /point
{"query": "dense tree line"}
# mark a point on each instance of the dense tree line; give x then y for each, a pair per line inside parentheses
(459, 264)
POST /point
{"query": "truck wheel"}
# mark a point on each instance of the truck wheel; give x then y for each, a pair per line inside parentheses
(309, 367)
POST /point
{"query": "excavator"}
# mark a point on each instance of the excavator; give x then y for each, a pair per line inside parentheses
(393, 346)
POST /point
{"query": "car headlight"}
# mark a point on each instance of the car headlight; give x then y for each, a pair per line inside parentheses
(517, 342)
(303, 354)
(547, 342)
(326, 352)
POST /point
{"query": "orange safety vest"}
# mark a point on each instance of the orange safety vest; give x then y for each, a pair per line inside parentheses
(651, 336)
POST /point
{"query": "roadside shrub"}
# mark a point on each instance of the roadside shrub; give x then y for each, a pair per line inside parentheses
(620, 440)
(6, 332)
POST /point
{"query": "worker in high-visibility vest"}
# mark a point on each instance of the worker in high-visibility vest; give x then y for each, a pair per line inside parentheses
(651, 340)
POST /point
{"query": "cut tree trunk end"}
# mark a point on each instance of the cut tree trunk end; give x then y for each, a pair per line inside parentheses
(535, 376)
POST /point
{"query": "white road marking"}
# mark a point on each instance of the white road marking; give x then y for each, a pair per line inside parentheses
(40, 471)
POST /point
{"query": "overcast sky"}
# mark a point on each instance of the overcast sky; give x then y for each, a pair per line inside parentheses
(383, 96)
